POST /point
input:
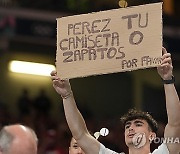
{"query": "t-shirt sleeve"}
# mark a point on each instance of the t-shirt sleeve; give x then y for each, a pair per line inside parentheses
(162, 149)
(104, 150)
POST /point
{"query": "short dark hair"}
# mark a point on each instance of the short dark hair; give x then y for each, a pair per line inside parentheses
(133, 114)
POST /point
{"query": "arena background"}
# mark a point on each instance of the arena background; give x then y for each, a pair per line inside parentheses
(28, 33)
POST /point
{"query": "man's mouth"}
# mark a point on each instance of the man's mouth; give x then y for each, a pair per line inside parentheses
(131, 135)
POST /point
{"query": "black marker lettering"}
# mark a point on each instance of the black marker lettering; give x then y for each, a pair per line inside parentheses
(70, 26)
(111, 52)
(135, 33)
(61, 46)
(104, 28)
(102, 50)
(95, 26)
(77, 55)
(69, 55)
(76, 28)
(92, 54)
(122, 53)
(129, 17)
(145, 20)
(86, 25)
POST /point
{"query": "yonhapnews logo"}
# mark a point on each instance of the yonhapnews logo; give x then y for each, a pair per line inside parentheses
(139, 140)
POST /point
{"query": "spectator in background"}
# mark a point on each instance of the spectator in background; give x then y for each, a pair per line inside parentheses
(42, 104)
(49, 144)
(24, 103)
(18, 139)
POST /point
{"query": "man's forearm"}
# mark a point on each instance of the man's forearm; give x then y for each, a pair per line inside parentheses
(172, 104)
(74, 118)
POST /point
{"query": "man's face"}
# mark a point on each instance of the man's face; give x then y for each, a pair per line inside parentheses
(134, 127)
(74, 148)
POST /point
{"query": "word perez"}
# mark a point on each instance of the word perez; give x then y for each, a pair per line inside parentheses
(81, 27)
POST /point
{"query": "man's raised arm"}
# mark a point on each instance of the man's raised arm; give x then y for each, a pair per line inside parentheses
(74, 118)
(172, 130)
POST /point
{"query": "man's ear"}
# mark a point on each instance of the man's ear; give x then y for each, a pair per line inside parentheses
(152, 136)
(69, 150)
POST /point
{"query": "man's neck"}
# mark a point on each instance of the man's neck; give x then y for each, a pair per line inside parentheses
(142, 150)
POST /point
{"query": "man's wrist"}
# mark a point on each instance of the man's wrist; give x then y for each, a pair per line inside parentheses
(69, 94)
(170, 81)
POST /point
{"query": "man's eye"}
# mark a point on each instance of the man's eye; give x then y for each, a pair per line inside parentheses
(127, 126)
(138, 125)
(75, 146)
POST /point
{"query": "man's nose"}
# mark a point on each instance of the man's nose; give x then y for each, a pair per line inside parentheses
(131, 128)
(80, 151)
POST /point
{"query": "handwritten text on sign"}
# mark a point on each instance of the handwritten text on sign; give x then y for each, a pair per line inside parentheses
(109, 41)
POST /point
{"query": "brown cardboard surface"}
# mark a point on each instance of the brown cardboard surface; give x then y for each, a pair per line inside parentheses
(110, 41)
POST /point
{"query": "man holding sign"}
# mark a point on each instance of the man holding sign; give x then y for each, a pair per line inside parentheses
(140, 127)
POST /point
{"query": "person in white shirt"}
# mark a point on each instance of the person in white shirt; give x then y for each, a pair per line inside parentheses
(139, 131)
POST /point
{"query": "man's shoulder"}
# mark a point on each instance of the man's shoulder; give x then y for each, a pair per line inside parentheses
(104, 150)
(162, 149)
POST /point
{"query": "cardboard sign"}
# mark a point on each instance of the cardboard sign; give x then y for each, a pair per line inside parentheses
(109, 41)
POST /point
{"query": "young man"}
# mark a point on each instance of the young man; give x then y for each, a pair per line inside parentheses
(74, 148)
(18, 139)
(134, 127)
